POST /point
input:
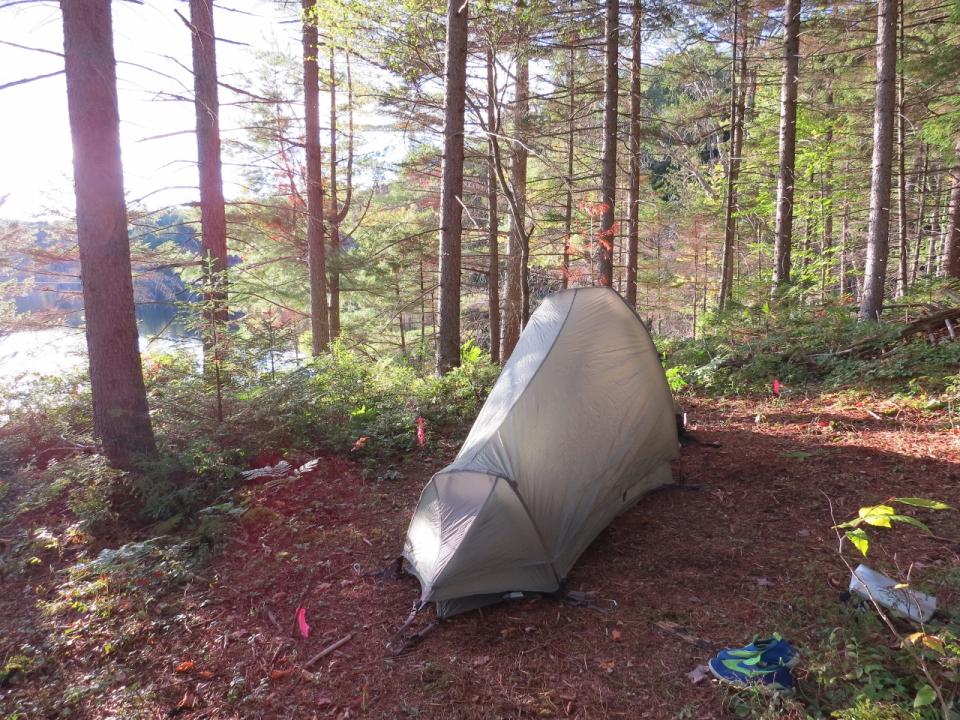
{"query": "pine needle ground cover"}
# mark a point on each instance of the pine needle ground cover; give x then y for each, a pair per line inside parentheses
(201, 622)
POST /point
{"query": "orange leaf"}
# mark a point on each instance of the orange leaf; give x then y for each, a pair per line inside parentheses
(279, 674)
(616, 635)
(185, 666)
(205, 674)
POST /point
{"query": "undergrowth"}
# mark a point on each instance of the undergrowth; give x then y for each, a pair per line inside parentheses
(809, 348)
(341, 402)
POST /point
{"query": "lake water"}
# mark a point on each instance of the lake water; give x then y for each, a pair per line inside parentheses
(57, 350)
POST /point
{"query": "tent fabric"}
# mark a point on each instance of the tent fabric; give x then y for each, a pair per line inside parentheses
(579, 425)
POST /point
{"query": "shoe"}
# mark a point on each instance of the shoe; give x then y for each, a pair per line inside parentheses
(773, 651)
(765, 663)
(752, 672)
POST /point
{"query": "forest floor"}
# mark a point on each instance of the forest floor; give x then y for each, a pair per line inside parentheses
(742, 545)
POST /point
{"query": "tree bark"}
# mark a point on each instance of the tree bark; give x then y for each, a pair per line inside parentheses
(878, 240)
(213, 221)
(922, 214)
(903, 280)
(937, 188)
(788, 146)
(737, 106)
(826, 203)
(338, 212)
(608, 168)
(316, 252)
(516, 293)
(633, 216)
(571, 127)
(451, 208)
(121, 419)
(493, 219)
(951, 241)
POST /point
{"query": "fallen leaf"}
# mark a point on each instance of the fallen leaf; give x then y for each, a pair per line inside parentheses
(205, 674)
(616, 635)
(279, 674)
(185, 666)
(607, 665)
(358, 445)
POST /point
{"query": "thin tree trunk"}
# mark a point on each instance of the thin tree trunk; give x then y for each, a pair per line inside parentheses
(951, 241)
(121, 418)
(922, 214)
(737, 100)
(451, 207)
(845, 239)
(633, 237)
(788, 146)
(902, 277)
(493, 222)
(213, 222)
(608, 168)
(878, 240)
(513, 292)
(334, 264)
(826, 203)
(571, 125)
(338, 212)
(935, 225)
(316, 252)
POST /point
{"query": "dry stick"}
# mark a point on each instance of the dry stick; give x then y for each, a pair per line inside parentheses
(327, 650)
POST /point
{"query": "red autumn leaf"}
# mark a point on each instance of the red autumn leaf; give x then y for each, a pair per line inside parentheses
(184, 667)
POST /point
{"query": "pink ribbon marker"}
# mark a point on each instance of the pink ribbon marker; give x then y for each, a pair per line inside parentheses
(776, 387)
(302, 622)
(421, 435)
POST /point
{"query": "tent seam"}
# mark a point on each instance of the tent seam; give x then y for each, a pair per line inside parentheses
(536, 529)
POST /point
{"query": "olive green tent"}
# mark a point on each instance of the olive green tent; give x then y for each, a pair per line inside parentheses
(579, 425)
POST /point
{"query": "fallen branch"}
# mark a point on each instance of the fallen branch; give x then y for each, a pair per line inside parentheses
(327, 650)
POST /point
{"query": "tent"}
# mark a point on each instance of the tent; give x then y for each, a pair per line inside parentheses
(579, 425)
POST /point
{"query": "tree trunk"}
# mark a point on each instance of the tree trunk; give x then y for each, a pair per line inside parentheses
(334, 270)
(826, 205)
(451, 208)
(737, 106)
(213, 222)
(121, 419)
(633, 237)
(514, 294)
(937, 188)
(608, 168)
(571, 127)
(337, 212)
(788, 146)
(902, 277)
(878, 234)
(316, 252)
(493, 219)
(951, 241)
(922, 214)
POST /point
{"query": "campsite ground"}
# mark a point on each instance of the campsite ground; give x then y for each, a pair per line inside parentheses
(741, 545)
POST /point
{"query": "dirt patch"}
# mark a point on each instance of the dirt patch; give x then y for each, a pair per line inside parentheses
(742, 545)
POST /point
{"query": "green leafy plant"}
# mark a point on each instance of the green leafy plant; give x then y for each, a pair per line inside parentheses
(935, 653)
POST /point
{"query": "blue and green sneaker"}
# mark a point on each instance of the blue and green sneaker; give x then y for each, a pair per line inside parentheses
(765, 663)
